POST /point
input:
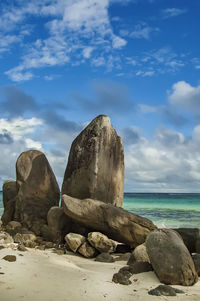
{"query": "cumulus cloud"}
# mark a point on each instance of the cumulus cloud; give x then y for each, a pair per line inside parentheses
(186, 96)
(170, 162)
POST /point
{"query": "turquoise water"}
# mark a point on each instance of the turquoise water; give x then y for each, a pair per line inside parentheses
(165, 210)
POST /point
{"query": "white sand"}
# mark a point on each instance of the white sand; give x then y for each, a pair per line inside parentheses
(45, 276)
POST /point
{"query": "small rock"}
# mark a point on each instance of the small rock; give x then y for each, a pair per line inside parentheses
(22, 248)
(74, 241)
(101, 242)
(10, 258)
(60, 252)
(121, 278)
(140, 267)
(48, 244)
(30, 244)
(22, 238)
(41, 247)
(125, 270)
(164, 290)
(5, 238)
(104, 257)
(87, 250)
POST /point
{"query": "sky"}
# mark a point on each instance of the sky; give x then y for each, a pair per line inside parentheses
(63, 62)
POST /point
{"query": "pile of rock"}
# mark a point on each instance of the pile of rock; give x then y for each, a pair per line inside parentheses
(90, 218)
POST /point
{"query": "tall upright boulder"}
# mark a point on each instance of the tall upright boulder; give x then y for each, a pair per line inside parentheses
(95, 166)
(38, 190)
(9, 197)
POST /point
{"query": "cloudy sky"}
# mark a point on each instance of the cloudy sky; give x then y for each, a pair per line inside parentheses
(63, 62)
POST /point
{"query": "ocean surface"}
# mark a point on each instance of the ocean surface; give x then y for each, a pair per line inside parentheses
(170, 210)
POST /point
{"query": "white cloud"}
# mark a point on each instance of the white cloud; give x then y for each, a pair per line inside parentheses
(19, 127)
(143, 31)
(31, 144)
(145, 73)
(71, 24)
(172, 12)
(148, 109)
(185, 96)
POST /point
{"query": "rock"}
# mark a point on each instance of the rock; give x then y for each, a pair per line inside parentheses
(9, 197)
(10, 258)
(196, 259)
(38, 190)
(140, 267)
(30, 244)
(121, 278)
(60, 252)
(48, 244)
(104, 257)
(5, 238)
(117, 223)
(95, 166)
(1, 225)
(87, 250)
(58, 224)
(190, 237)
(170, 258)
(13, 227)
(22, 238)
(101, 242)
(197, 245)
(164, 290)
(21, 248)
(74, 241)
(139, 254)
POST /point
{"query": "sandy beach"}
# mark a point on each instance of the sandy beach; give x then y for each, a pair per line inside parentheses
(46, 276)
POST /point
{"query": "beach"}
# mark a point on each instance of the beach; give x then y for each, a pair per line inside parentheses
(46, 276)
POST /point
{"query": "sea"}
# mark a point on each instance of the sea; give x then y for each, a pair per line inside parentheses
(169, 210)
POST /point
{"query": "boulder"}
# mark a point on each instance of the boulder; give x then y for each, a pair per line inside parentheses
(105, 257)
(139, 254)
(140, 267)
(197, 245)
(95, 166)
(170, 258)
(58, 224)
(196, 259)
(74, 241)
(9, 195)
(190, 237)
(117, 223)
(87, 250)
(38, 190)
(101, 242)
(13, 227)
(5, 238)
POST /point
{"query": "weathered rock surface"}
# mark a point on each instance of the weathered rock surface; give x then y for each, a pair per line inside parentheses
(5, 238)
(13, 227)
(10, 258)
(105, 257)
(170, 258)
(95, 166)
(117, 223)
(190, 237)
(23, 238)
(58, 224)
(74, 241)
(164, 290)
(140, 267)
(196, 259)
(122, 278)
(139, 254)
(9, 195)
(101, 242)
(87, 250)
(38, 190)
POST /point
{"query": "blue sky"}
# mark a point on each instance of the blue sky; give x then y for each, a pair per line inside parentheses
(64, 62)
